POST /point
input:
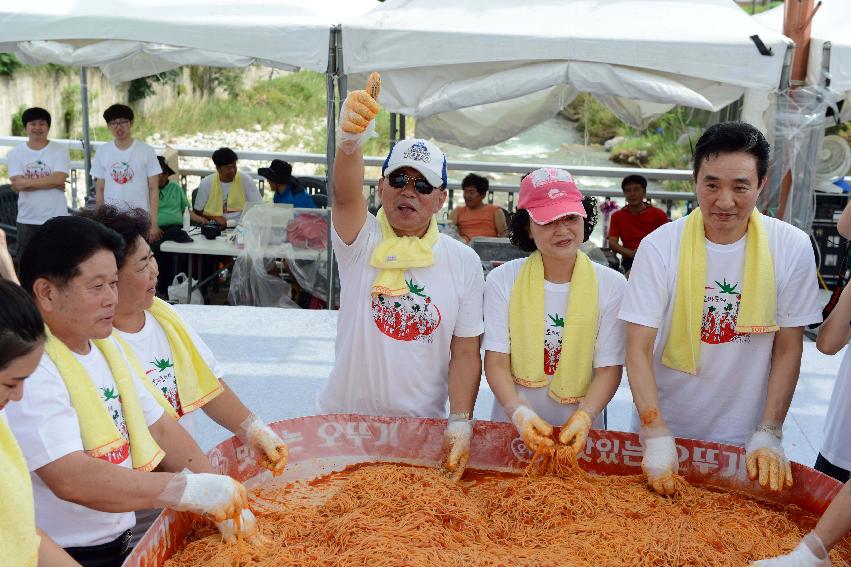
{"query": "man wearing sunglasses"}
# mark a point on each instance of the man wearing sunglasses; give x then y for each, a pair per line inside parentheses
(411, 299)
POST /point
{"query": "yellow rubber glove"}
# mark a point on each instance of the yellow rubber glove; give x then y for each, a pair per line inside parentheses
(357, 115)
(767, 462)
(456, 448)
(575, 430)
(272, 452)
(535, 432)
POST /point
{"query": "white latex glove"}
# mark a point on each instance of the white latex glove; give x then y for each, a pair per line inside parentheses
(535, 432)
(801, 556)
(766, 461)
(575, 430)
(357, 116)
(660, 463)
(271, 450)
(456, 447)
(216, 496)
(247, 529)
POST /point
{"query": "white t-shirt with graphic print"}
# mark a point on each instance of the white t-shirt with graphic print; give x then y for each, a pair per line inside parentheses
(392, 353)
(47, 428)
(724, 402)
(125, 174)
(611, 337)
(37, 207)
(151, 347)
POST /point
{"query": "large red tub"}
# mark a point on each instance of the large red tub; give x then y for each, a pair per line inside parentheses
(323, 444)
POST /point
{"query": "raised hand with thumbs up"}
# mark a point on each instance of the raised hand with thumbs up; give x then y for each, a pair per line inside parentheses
(357, 116)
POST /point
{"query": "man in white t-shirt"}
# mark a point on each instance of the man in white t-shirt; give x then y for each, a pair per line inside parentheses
(38, 169)
(741, 384)
(408, 337)
(127, 170)
(232, 187)
(85, 495)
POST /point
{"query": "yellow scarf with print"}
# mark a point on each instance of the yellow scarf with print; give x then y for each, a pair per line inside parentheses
(757, 308)
(99, 432)
(581, 323)
(395, 254)
(18, 538)
(196, 383)
(236, 196)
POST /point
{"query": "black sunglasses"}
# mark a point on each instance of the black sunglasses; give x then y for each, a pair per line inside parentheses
(401, 180)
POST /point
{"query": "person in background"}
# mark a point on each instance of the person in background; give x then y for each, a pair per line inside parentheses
(477, 218)
(557, 296)
(127, 170)
(90, 431)
(38, 169)
(715, 308)
(287, 189)
(21, 347)
(635, 221)
(222, 195)
(411, 298)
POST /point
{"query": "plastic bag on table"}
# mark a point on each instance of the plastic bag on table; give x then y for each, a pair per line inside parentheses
(308, 261)
(177, 290)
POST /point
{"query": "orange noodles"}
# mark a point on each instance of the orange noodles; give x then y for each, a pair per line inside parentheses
(390, 515)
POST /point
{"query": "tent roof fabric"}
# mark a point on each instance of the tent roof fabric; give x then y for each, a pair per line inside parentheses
(161, 34)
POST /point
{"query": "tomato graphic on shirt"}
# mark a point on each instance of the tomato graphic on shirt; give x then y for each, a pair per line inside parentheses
(112, 401)
(720, 313)
(37, 170)
(162, 377)
(552, 343)
(409, 317)
(121, 172)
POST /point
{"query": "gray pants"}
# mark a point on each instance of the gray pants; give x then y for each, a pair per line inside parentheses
(144, 519)
(25, 233)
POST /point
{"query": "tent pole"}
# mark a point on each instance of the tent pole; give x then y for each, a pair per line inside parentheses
(87, 148)
(392, 129)
(401, 126)
(330, 149)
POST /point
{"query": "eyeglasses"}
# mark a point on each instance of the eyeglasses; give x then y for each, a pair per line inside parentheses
(120, 122)
(401, 180)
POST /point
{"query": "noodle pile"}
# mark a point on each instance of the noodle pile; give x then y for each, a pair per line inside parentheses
(395, 515)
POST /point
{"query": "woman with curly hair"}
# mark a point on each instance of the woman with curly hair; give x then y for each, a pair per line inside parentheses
(557, 297)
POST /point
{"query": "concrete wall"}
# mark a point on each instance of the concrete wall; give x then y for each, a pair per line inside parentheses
(43, 87)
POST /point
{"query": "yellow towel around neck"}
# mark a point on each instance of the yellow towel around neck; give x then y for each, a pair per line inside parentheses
(395, 254)
(581, 323)
(18, 538)
(236, 196)
(757, 308)
(196, 383)
(99, 432)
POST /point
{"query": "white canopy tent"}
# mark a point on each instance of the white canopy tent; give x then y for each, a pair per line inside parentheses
(830, 25)
(479, 80)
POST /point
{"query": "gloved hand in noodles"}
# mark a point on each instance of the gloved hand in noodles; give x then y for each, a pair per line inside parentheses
(535, 432)
(766, 460)
(575, 430)
(660, 463)
(271, 450)
(809, 553)
(247, 529)
(357, 116)
(217, 497)
(456, 446)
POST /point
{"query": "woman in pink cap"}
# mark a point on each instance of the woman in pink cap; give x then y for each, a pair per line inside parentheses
(554, 346)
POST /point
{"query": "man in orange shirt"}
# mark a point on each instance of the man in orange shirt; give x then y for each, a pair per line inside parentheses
(635, 221)
(477, 218)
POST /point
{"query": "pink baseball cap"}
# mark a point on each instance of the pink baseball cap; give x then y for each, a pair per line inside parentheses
(550, 193)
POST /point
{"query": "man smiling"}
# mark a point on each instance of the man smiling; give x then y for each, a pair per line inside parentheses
(715, 309)
(411, 298)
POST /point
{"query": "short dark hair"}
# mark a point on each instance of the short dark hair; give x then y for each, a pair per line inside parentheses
(117, 111)
(57, 249)
(21, 325)
(640, 179)
(129, 224)
(732, 137)
(224, 156)
(35, 113)
(518, 229)
(480, 183)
